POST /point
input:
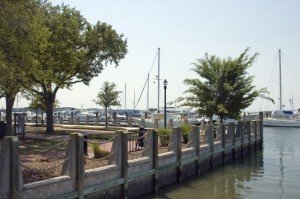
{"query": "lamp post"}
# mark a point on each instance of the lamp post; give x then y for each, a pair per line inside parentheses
(165, 103)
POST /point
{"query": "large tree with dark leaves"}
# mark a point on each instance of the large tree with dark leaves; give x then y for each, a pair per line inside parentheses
(77, 51)
(22, 36)
(224, 86)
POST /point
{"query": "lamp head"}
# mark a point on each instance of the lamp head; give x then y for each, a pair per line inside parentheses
(165, 83)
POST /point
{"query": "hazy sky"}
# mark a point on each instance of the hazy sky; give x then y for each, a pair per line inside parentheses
(185, 30)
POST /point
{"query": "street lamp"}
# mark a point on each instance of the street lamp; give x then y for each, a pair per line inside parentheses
(165, 104)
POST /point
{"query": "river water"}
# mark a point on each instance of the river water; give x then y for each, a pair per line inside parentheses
(273, 172)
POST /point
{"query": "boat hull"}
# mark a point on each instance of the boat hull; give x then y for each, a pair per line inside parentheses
(281, 123)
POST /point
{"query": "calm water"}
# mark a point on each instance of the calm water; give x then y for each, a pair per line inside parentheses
(273, 172)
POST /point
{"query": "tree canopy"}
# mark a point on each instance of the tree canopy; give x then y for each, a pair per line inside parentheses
(224, 86)
(76, 52)
(22, 36)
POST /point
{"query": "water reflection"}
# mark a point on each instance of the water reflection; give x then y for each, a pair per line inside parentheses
(273, 172)
(223, 182)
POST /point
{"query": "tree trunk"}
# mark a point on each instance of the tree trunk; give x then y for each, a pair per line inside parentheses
(9, 106)
(106, 117)
(36, 116)
(49, 112)
(42, 113)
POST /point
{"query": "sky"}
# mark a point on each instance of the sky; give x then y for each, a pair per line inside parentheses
(185, 31)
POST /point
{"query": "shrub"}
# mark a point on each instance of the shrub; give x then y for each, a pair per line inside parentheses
(98, 153)
(164, 135)
(185, 128)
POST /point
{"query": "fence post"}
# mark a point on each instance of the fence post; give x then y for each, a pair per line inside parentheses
(14, 168)
(124, 163)
(61, 119)
(79, 163)
(211, 143)
(74, 166)
(155, 124)
(142, 124)
(261, 129)
(11, 179)
(96, 120)
(233, 142)
(72, 119)
(87, 120)
(242, 137)
(129, 122)
(171, 123)
(15, 124)
(248, 125)
(155, 160)
(118, 122)
(179, 153)
(197, 149)
(255, 133)
(223, 144)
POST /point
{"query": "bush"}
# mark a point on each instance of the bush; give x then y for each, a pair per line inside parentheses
(164, 135)
(98, 153)
(186, 129)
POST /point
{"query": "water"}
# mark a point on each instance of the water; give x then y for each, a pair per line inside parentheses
(273, 172)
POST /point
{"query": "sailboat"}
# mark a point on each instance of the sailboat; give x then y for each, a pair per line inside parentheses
(282, 118)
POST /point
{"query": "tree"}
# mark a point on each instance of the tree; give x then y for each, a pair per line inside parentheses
(21, 37)
(107, 97)
(76, 52)
(224, 87)
(38, 103)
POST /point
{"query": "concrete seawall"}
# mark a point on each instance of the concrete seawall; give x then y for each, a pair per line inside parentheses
(125, 178)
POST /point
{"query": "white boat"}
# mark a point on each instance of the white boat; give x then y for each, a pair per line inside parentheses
(282, 118)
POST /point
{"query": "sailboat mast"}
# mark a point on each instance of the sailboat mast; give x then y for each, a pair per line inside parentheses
(125, 96)
(148, 92)
(134, 100)
(158, 79)
(280, 90)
